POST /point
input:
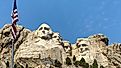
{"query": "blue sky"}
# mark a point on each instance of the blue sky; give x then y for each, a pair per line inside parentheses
(71, 18)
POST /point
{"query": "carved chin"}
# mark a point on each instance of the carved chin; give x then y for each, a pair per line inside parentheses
(42, 34)
(83, 53)
(44, 37)
(57, 42)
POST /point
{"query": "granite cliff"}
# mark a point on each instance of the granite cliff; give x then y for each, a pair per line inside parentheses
(44, 48)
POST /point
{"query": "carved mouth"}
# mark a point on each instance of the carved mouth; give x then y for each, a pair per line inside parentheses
(83, 51)
(44, 37)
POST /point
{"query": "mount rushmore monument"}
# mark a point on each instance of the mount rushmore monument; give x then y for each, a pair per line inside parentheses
(44, 48)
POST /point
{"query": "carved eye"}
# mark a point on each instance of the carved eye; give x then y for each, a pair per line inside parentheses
(45, 28)
(41, 28)
(86, 49)
(55, 37)
(84, 44)
(78, 46)
(66, 47)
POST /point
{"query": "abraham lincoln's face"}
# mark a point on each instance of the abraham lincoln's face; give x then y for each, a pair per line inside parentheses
(83, 47)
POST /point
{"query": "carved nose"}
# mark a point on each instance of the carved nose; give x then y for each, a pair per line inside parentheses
(81, 49)
(43, 32)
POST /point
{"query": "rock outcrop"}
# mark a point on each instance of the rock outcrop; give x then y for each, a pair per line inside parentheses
(6, 42)
(44, 48)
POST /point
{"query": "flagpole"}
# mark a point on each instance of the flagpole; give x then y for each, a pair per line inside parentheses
(14, 16)
(12, 58)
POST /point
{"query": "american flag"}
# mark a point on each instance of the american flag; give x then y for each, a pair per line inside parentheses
(15, 19)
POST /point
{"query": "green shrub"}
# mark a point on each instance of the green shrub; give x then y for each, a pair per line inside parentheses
(77, 63)
(57, 63)
(95, 65)
(68, 61)
(91, 66)
(83, 63)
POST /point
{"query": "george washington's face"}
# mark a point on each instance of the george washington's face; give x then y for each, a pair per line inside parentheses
(44, 30)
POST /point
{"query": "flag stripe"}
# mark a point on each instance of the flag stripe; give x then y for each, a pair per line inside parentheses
(15, 19)
(15, 15)
(13, 33)
(14, 28)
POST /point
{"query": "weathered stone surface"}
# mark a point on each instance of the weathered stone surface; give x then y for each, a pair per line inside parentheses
(93, 48)
(6, 42)
(114, 54)
(37, 48)
(44, 48)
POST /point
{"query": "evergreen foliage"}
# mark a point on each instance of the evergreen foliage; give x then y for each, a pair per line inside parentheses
(68, 61)
(77, 63)
(91, 66)
(57, 63)
(82, 61)
(95, 65)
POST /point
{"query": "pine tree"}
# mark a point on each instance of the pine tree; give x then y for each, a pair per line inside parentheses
(68, 61)
(57, 63)
(95, 65)
(77, 63)
(83, 63)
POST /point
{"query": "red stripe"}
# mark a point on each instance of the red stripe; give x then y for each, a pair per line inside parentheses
(14, 28)
(15, 12)
(14, 16)
(14, 31)
(14, 22)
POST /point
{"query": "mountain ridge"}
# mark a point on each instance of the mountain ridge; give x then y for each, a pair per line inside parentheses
(43, 48)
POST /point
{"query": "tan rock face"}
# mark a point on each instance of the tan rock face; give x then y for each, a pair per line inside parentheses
(44, 48)
(100, 37)
(6, 42)
(91, 48)
(114, 54)
(39, 48)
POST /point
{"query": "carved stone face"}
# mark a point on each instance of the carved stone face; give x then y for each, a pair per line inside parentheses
(83, 47)
(56, 38)
(67, 47)
(44, 30)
